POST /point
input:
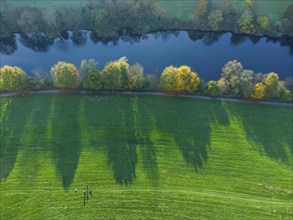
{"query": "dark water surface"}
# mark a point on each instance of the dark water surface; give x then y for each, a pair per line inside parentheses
(205, 52)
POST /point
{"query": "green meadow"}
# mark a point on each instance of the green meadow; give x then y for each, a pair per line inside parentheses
(144, 157)
(181, 8)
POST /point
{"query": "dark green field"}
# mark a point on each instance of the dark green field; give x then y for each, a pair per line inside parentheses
(144, 157)
(182, 8)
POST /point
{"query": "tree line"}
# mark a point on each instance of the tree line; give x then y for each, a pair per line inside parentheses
(246, 19)
(107, 19)
(235, 81)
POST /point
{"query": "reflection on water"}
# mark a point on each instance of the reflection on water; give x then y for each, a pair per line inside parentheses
(197, 49)
(36, 42)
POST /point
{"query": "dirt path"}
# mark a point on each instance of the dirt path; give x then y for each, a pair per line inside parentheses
(151, 93)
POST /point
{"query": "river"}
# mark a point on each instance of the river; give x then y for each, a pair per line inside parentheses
(205, 52)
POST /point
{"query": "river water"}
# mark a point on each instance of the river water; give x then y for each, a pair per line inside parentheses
(205, 52)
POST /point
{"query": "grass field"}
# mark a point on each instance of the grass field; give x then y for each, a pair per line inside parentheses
(144, 157)
(182, 8)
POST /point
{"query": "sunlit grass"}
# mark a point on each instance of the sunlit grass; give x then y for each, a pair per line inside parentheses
(144, 157)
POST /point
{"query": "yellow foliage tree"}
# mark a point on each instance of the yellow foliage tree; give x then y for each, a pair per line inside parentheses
(12, 78)
(168, 78)
(259, 91)
(65, 75)
(272, 81)
(248, 3)
(263, 23)
(179, 79)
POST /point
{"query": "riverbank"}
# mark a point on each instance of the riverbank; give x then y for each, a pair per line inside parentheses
(268, 19)
(147, 93)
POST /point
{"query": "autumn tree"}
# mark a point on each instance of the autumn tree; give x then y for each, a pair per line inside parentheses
(179, 79)
(93, 80)
(92, 77)
(136, 78)
(241, 83)
(213, 88)
(230, 69)
(168, 78)
(249, 3)
(236, 81)
(65, 75)
(215, 18)
(272, 81)
(186, 79)
(284, 93)
(115, 74)
(246, 22)
(86, 66)
(259, 91)
(12, 78)
(263, 23)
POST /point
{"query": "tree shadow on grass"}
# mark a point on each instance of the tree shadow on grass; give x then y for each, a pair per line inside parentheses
(13, 117)
(66, 143)
(125, 125)
(144, 120)
(268, 126)
(121, 141)
(34, 140)
(219, 114)
(189, 122)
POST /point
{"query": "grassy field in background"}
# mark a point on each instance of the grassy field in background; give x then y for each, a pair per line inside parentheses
(272, 8)
(144, 157)
(182, 8)
(47, 6)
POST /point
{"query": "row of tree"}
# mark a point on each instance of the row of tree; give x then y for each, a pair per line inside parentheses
(116, 75)
(235, 81)
(246, 19)
(105, 18)
(109, 18)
